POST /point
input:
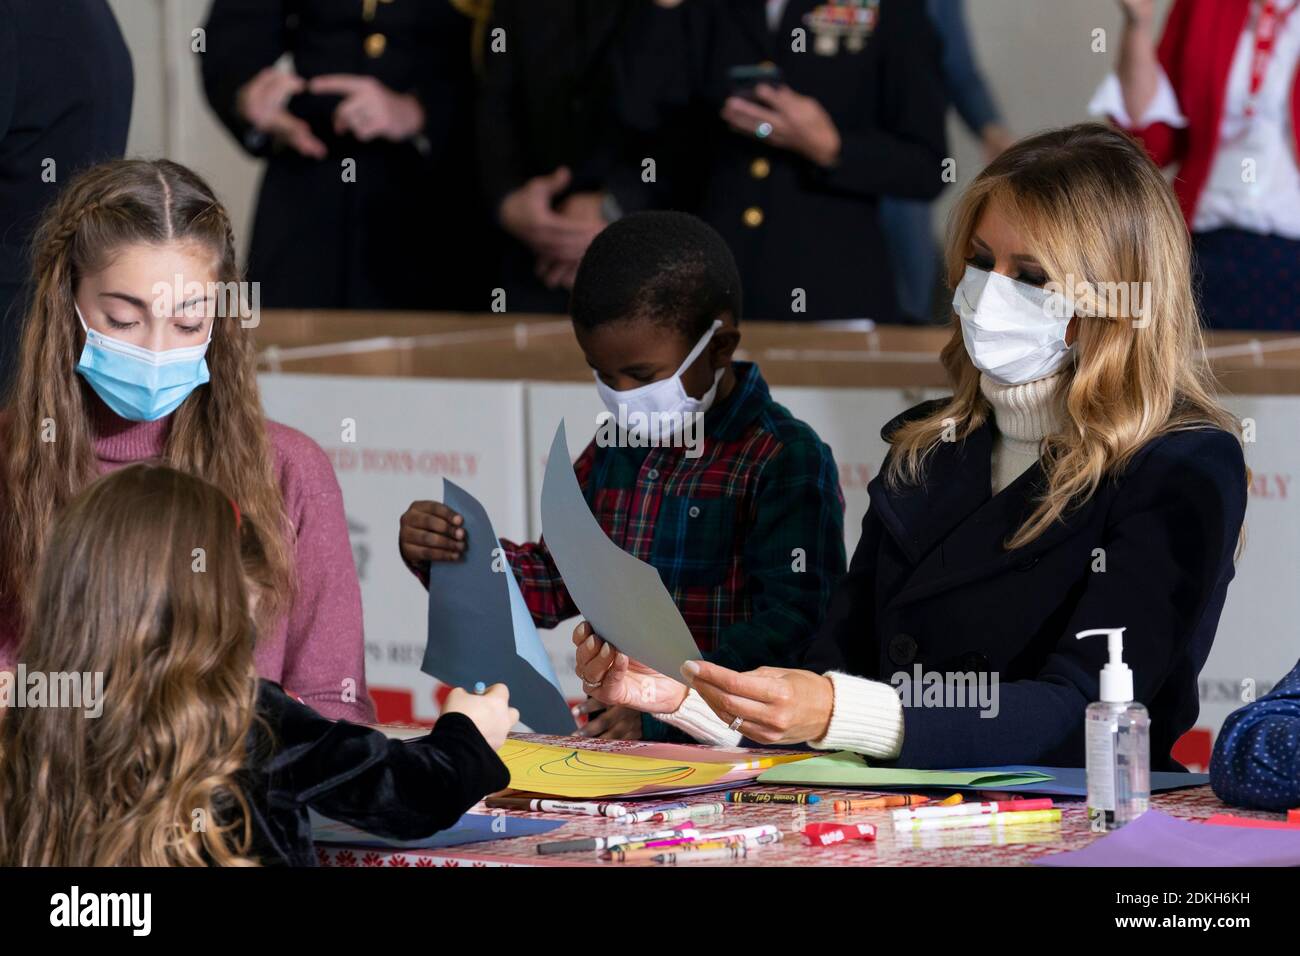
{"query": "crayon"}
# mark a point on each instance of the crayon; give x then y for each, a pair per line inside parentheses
(750, 835)
(556, 806)
(696, 849)
(766, 829)
(675, 840)
(749, 796)
(671, 816)
(603, 843)
(880, 803)
(738, 852)
(973, 809)
(983, 820)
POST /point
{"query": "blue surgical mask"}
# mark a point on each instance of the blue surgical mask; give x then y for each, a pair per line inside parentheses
(138, 383)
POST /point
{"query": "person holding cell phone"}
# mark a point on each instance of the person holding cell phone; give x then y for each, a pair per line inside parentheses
(803, 114)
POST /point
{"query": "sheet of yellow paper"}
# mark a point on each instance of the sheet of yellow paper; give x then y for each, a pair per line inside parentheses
(572, 772)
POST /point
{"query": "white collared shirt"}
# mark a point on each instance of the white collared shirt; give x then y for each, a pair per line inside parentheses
(1262, 147)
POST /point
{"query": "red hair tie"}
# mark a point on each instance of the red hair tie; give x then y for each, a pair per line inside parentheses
(239, 519)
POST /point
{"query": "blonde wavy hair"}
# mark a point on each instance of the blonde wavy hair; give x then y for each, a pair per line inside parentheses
(218, 433)
(1093, 208)
(119, 594)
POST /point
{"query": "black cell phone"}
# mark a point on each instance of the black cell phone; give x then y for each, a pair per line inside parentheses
(744, 79)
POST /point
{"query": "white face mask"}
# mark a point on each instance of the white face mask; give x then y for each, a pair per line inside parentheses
(666, 396)
(1014, 332)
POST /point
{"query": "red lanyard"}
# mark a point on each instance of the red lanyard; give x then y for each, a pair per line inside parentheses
(1270, 24)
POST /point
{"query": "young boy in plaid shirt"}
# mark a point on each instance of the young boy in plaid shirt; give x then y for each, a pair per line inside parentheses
(746, 527)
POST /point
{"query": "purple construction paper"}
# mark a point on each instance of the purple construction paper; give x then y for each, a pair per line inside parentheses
(1157, 839)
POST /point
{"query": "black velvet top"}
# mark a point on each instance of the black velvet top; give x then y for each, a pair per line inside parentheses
(401, 790)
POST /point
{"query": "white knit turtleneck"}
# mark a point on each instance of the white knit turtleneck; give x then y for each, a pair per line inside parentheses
(1024, 416)
(867, 715)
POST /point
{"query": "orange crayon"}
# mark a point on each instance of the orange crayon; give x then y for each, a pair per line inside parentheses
(888, 801)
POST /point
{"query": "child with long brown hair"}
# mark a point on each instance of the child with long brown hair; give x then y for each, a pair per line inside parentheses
(132, 351)
(146, 580)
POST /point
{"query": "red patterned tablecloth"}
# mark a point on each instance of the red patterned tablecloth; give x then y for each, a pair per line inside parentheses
(934, 848)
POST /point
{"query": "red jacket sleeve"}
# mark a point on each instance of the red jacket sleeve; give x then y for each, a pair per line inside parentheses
(1164, 143)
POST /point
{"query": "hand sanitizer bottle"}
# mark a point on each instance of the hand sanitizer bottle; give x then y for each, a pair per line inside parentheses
(1118, 742)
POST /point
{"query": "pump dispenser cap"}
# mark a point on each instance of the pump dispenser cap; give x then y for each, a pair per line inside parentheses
(1116, 676)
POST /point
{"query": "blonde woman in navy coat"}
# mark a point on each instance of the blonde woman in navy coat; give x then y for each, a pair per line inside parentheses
(1082, 475)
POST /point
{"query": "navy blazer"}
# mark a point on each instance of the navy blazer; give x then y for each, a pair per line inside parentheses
(931, 584)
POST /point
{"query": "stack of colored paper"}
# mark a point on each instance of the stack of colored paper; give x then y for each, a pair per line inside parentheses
(652, 771)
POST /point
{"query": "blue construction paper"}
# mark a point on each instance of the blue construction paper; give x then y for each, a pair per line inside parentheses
(623, 598)
(528, 644)
(471, 828)
(1073, 781)
(1157, 839)
(477, 635)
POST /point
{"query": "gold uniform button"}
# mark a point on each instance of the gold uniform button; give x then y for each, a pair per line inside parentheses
(753, 217)
(760, 168)
(376, 43)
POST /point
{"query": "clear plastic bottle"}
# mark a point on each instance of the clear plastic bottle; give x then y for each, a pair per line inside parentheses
(1118, 742)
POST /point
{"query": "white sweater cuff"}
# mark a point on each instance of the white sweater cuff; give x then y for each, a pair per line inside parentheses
(695, 717)
(866, 718)
(1109, 101)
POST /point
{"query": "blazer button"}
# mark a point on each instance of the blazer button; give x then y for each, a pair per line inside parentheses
(902, 649)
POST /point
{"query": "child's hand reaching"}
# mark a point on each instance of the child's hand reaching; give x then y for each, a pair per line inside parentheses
(490, 711)
(430, 531)
(610, 723)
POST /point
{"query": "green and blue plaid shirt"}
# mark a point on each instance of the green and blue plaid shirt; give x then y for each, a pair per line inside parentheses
(748, 537)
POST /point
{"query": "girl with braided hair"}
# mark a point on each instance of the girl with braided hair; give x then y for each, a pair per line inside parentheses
(113, 370)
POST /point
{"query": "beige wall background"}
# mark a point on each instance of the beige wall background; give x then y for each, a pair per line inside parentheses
(1037, 56)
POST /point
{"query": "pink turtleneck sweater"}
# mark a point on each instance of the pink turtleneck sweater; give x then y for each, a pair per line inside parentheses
(317, 650)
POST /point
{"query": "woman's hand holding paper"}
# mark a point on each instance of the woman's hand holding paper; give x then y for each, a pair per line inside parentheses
(613, 678)
(776, 706)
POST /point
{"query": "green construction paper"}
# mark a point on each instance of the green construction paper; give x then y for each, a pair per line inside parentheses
(846, 769)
